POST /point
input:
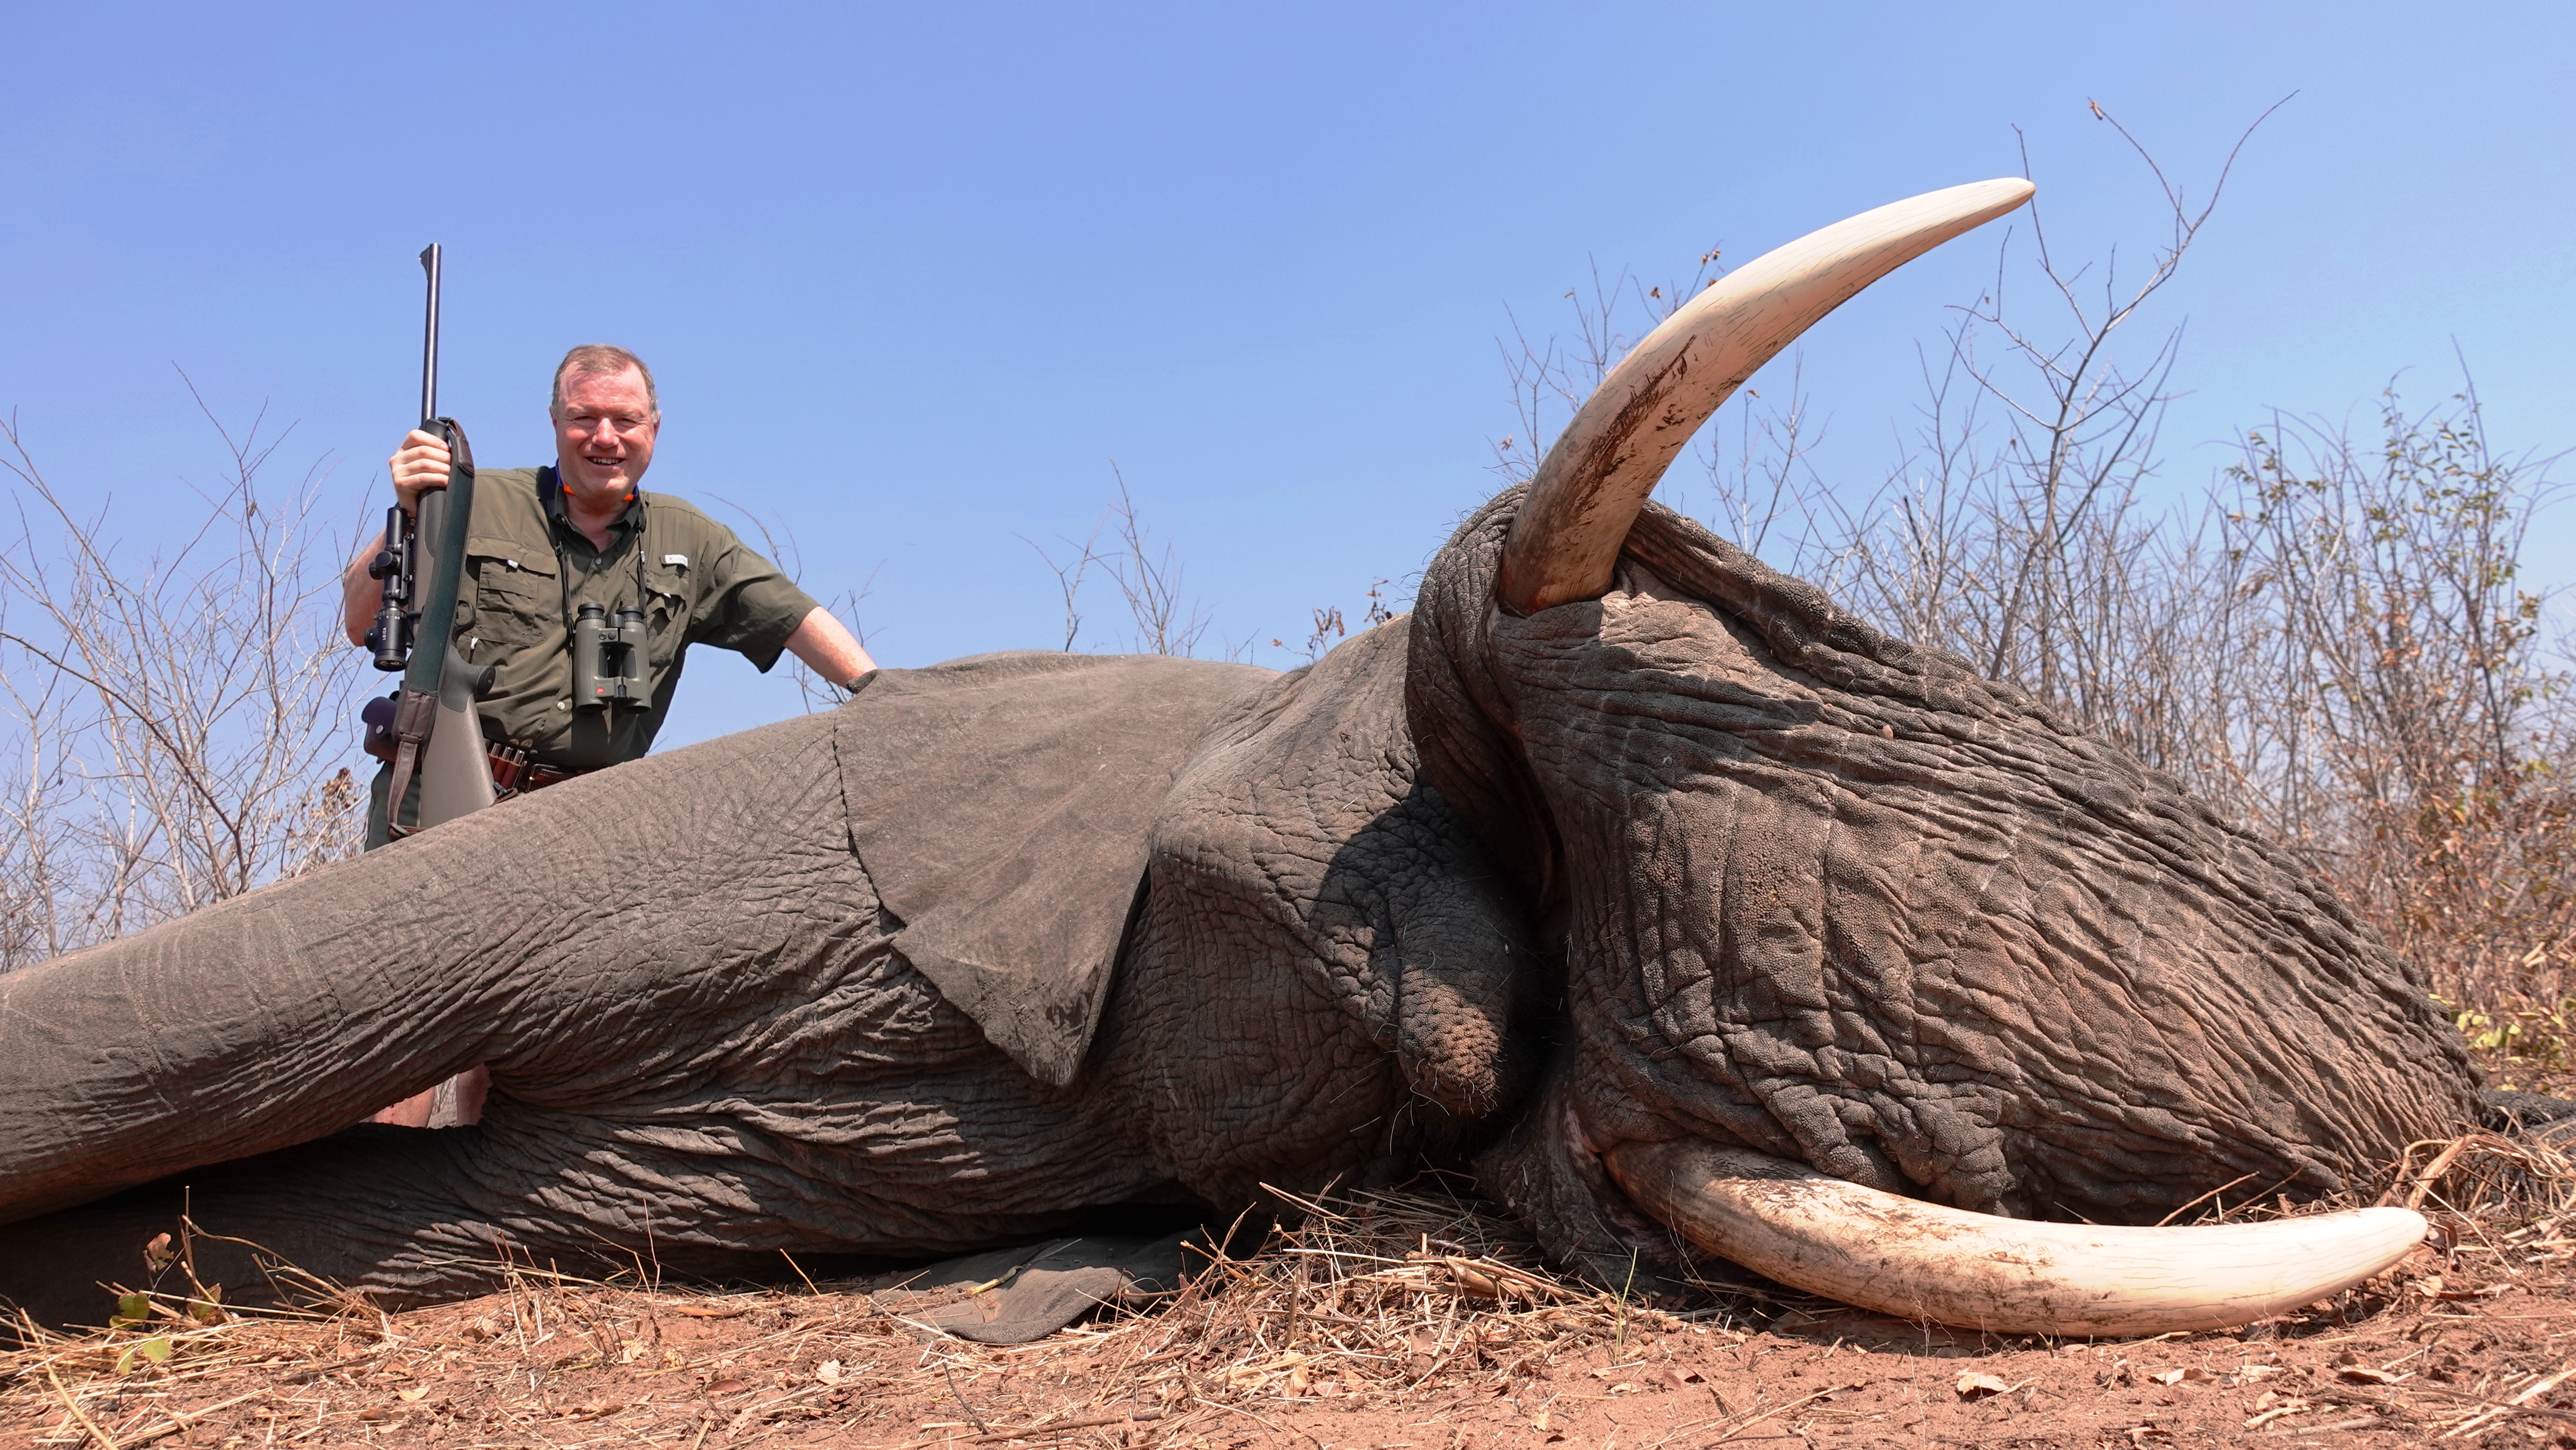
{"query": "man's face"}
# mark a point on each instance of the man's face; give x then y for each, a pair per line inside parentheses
(604, 434)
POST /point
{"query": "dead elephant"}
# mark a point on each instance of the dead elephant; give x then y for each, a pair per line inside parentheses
(1699, 918)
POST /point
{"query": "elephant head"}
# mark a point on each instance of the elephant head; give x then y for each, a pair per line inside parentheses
(1835, 901)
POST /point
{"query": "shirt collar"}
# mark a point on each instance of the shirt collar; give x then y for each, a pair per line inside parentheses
(550, 493)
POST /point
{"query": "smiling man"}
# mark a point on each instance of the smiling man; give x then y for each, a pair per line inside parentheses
(544, 542)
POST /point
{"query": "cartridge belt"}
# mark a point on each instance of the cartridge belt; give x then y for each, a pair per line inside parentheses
(516, 772)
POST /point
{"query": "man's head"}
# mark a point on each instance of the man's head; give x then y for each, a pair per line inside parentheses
(605, 415)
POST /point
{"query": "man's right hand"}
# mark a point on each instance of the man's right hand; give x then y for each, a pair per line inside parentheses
(419, 465)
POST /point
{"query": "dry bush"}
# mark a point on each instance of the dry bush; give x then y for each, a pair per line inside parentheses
(2416, 736)
(1147, 581)
(177, 724)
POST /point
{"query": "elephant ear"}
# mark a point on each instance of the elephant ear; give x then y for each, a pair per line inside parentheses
(1001, 805)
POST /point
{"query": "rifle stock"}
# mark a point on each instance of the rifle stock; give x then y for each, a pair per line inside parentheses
(455, 776)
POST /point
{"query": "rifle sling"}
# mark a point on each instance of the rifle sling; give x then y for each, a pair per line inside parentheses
(414, 713)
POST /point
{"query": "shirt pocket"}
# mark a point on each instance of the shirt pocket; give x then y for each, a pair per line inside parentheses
(666, 609)
(517, 600)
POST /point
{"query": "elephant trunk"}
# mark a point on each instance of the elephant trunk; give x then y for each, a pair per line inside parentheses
(1917, 1260)
(269, 1020)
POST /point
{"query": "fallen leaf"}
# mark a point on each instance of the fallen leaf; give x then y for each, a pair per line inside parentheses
(413, 1394)
(2193, 1375)
(1675, 1377)
(2430, 1286)
(829, 1371)
(726, 1387)
(373, 1413)
(2362, 1374)
(1975, 1386)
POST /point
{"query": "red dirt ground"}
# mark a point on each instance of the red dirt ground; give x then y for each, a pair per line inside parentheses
(2415, 1358)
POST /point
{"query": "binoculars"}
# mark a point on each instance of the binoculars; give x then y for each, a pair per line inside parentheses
(608, 659)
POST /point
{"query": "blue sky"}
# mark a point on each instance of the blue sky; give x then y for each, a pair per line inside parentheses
(914, 278)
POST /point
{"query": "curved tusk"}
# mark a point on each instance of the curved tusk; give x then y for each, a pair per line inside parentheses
(1917, 1260)
(1605, 463)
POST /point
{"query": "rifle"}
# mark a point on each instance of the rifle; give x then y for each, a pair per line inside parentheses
(435, 732)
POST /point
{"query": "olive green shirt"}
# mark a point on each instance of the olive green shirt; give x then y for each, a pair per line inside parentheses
(527, 569)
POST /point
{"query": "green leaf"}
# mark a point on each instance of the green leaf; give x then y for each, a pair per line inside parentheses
(131, 1309)
(156, 1350)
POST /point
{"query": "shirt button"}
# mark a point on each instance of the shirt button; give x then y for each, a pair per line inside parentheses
(563, 704)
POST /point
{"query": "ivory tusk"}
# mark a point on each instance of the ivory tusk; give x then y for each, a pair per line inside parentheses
(1916, 1260)
(1601, 468)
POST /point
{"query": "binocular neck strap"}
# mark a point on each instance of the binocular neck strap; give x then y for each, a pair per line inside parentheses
(563, 564)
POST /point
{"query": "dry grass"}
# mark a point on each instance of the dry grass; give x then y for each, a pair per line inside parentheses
(1380, 1311)
(1381, 1294)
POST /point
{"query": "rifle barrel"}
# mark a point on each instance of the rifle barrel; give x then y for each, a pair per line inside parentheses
(429, 260)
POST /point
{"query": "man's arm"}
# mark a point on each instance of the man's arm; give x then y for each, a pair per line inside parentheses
(420, 464)
(361, 592)
(828, 649)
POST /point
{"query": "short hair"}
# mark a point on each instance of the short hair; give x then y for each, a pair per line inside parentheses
(600, 359)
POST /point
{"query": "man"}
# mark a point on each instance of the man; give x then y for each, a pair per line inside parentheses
(545, 541)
